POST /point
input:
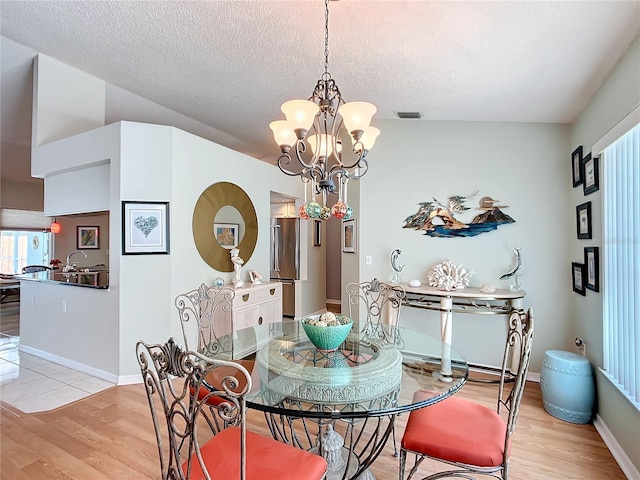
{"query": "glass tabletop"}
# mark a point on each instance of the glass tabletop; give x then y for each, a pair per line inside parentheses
(367, 376)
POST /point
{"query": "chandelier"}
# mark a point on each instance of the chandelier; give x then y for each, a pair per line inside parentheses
(319, 125)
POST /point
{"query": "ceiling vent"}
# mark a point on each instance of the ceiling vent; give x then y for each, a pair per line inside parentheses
(409, 114)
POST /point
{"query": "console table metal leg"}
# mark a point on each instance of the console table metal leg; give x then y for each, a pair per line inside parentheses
(446, 327)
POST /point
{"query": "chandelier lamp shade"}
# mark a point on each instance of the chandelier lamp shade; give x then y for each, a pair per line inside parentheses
(310, 141)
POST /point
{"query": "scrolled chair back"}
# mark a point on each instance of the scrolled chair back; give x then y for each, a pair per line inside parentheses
(519, 344)
(205, 314)
(182, 400)
(381, 303)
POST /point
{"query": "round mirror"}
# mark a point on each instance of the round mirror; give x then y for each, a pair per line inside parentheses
(224, 218)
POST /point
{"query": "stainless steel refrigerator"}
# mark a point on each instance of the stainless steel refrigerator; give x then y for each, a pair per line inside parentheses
(285, 259)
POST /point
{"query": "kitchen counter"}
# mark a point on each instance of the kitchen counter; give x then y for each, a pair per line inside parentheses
(87, 279)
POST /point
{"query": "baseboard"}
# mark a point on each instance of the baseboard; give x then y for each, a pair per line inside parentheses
(533, 377)
(333, 302)
(491, 370)
(627, 466)
(129, 379)
(81, 367)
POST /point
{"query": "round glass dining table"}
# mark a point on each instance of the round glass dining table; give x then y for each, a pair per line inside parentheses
(342, 404)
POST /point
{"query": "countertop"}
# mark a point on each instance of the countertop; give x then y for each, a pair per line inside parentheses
(90, 279)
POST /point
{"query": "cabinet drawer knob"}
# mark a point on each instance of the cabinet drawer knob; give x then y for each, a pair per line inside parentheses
(272, 291)
(260, 320)
(245, 297)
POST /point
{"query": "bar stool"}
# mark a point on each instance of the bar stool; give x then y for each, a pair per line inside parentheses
(567, 385)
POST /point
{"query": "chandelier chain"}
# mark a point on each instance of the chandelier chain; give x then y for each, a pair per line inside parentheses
(318, 124)
(326, 37)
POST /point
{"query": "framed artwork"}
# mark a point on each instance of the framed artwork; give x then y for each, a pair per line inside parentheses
(145, 228)
(255, 277)
(591, 261)
(227, 234)
(583, 221)
(590, 181)
(349, 236)
(576, 166)
(317, 233)
(87, 238)
(578, 275)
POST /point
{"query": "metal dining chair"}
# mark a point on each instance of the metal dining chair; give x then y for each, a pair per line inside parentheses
(205, 319)
(381, 304)
(35, 268)
(473, 438)
(206, 441)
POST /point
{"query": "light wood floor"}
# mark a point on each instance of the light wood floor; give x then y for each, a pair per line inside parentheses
(109, 436)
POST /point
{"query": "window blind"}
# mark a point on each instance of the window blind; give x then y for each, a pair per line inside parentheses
(621, 231)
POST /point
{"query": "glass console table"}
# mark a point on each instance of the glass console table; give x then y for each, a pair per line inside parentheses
(343, 404)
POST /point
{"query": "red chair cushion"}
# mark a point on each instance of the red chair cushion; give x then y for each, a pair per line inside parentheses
(456, 430)
(215, 377)
(267, 459)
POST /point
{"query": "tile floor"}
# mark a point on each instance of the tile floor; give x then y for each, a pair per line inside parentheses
(31, 384)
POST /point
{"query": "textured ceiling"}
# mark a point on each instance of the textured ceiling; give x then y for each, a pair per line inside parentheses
(230, 64)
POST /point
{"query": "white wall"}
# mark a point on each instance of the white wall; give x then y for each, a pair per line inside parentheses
(75, 326)
(526, 167)
(616, 98)
(146, 156)
(67, 100)
(86, 331)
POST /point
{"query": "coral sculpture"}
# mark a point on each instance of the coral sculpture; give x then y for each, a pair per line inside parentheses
(449, 276)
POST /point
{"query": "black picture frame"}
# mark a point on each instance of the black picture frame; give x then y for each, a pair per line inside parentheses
(349, 236)
(576, 166)
(578, 277)
(145, 228)
(592, 268)
(317, 233)
(590, 175)
(87, 238)
(583, 221)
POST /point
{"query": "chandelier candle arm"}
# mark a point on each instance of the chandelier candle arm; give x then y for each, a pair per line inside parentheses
(317, 123)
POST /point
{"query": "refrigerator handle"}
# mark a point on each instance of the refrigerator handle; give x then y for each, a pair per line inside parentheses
(276, 248)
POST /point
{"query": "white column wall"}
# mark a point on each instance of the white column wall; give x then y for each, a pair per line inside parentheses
(144, 280)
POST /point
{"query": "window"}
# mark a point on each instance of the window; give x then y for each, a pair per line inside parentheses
(21, 248)
(621, 263)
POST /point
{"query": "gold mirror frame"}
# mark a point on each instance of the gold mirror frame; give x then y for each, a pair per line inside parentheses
(210, 202)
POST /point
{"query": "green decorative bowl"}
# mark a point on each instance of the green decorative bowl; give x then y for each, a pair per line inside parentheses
(330, 337)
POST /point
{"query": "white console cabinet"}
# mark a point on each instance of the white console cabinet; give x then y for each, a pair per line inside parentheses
(255, 305)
